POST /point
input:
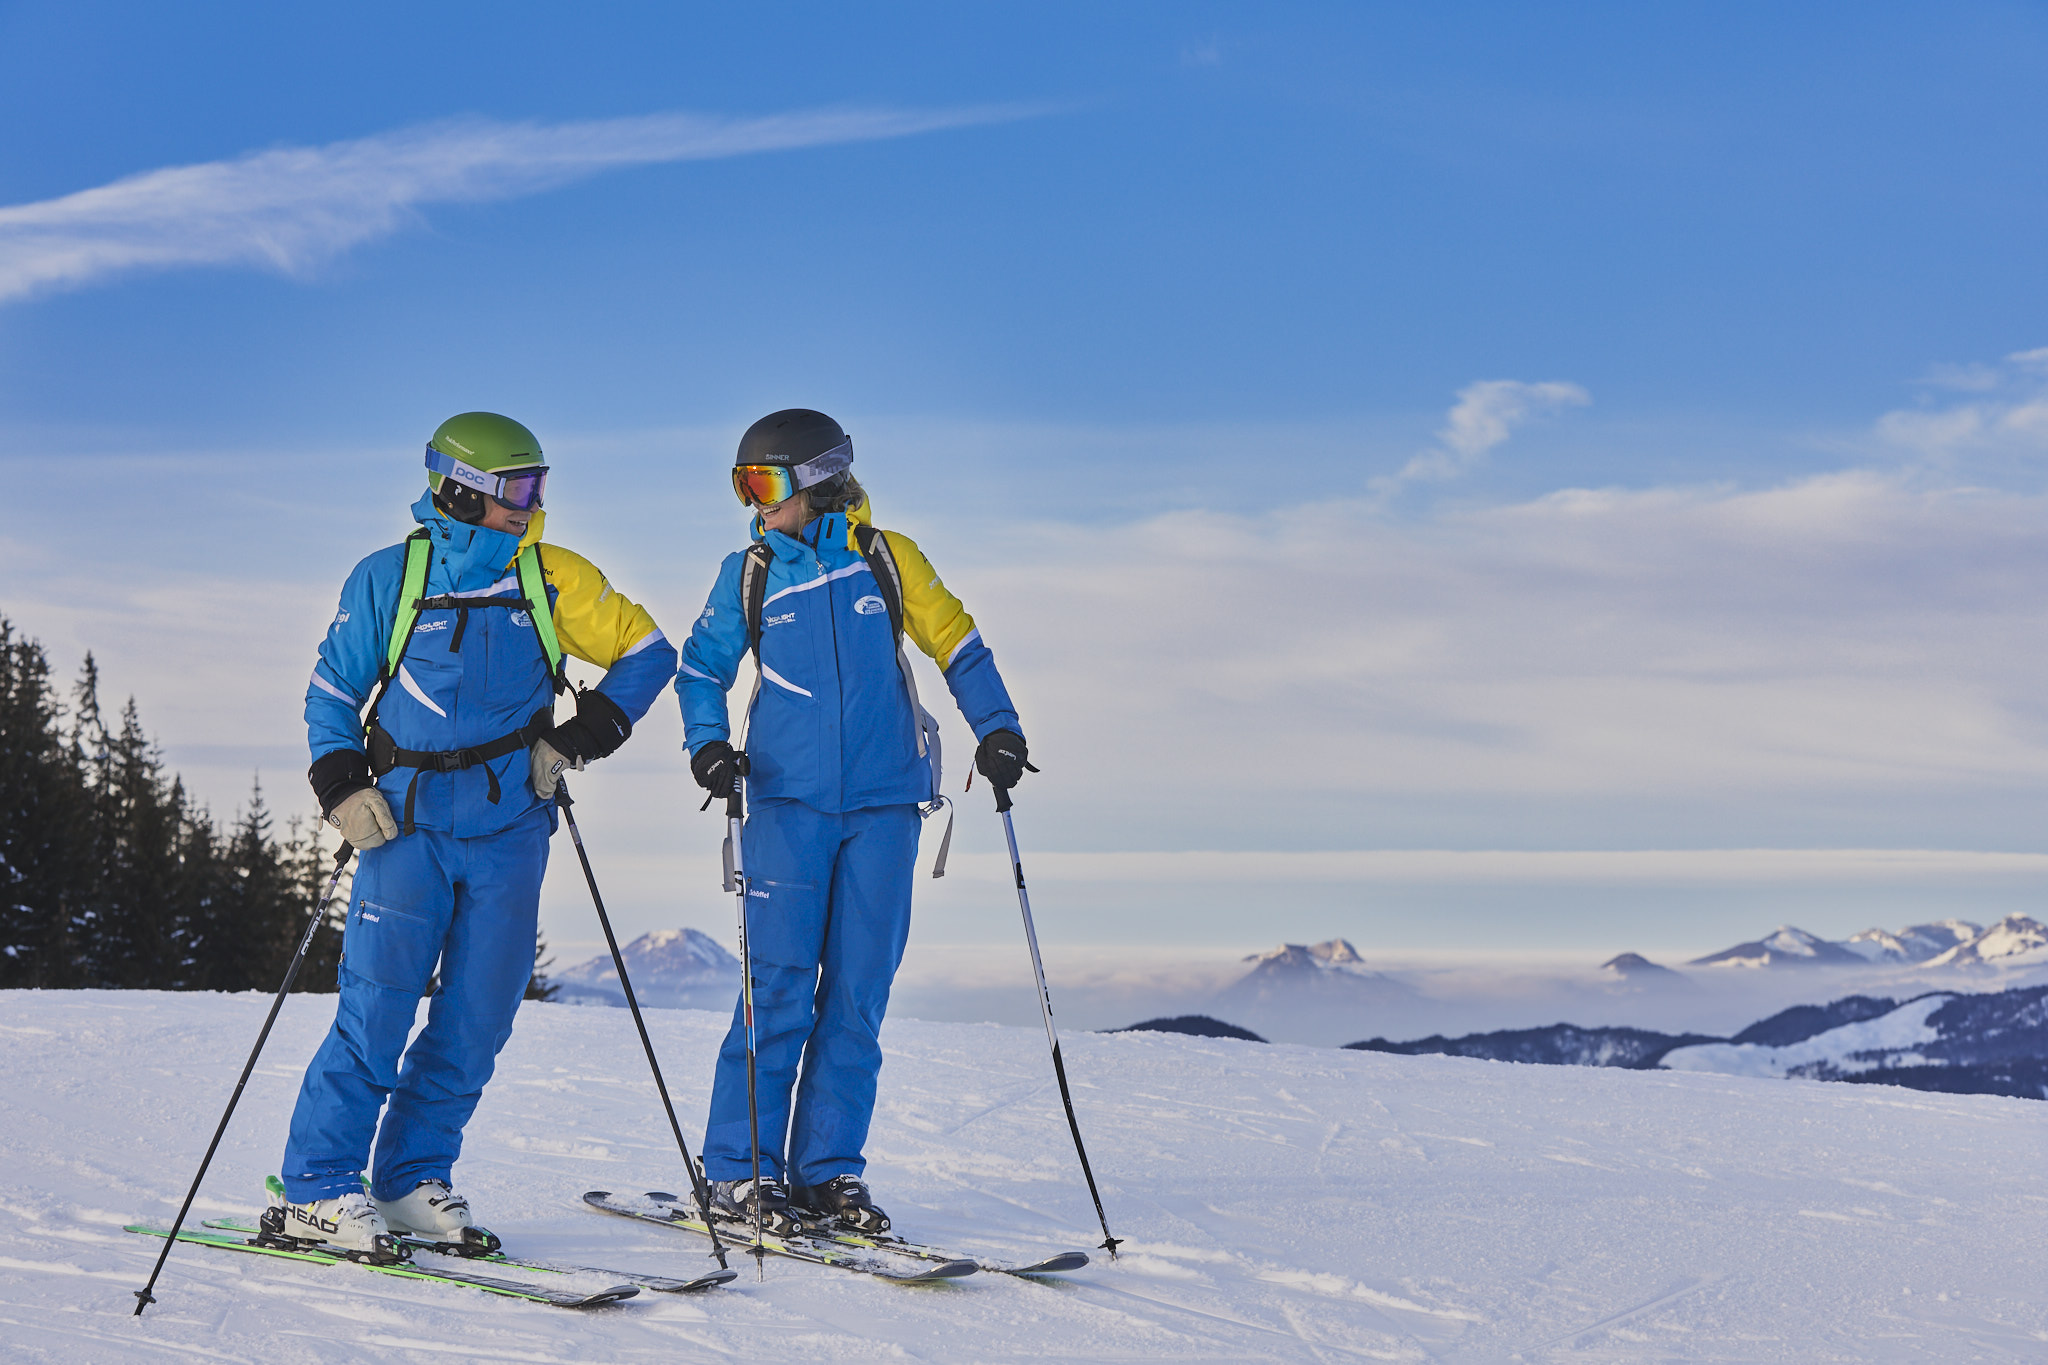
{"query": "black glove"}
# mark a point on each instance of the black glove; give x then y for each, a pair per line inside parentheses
(597, 729)
(1003, 759)
(716, 767)
(338, 775)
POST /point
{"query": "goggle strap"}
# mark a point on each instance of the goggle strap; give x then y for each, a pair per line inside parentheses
(469, 476)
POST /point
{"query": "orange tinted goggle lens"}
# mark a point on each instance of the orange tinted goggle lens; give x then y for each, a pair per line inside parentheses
(763, 485)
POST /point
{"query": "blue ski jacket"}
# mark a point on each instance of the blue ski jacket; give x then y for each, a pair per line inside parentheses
(465, 685)
(833, 725)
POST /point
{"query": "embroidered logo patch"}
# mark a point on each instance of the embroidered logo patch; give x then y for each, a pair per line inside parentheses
(520, 618)
(871, 606)
(426, 626)
(781, 620)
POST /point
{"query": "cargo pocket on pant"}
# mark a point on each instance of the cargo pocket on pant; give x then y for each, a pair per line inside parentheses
(784, 926)
(390, 946)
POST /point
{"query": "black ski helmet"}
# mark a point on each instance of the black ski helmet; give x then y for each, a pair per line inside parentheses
(795, 436)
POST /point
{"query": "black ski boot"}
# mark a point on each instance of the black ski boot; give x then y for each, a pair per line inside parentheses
(734, 1200)
(844, 1199)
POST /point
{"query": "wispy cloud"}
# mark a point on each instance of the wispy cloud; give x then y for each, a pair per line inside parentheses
(291, 208)
(1486, 414)
(2005, 416)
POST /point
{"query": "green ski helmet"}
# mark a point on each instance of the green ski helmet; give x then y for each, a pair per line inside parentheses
(474, 454)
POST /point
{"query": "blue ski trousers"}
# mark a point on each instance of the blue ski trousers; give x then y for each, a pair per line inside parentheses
(828, 913)
(424, 899)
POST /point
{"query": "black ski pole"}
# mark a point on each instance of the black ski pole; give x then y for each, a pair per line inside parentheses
(626, 985)
(736, 878)
(1059, 1068)
(143, 1296)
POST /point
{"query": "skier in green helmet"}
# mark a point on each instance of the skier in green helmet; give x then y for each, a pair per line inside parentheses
(454, 641)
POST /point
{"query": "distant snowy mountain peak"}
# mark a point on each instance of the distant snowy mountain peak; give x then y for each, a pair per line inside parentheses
(1789, 946)
(2015, 941)
(1634, 967)
(673, 968)
(1327, 983)
(1330, 955)
(1880, 945)
(1918, 943)
(1791, 940)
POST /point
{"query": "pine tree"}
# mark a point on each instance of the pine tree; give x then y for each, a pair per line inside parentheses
(111, 876)
(41, 804)
(539, 987)
(307, 867)
(130, 929)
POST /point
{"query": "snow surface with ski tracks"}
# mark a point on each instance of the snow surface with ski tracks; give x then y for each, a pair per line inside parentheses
(1280, 1203)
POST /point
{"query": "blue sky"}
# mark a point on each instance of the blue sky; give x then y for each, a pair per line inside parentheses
(1572, 430)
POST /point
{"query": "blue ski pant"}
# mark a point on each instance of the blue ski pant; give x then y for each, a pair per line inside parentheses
(424, 899)
(828, 913)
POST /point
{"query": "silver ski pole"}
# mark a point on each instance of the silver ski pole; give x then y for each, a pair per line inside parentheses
(626, 985)
(143, 1296)
(1059, 1068)
(736, 876)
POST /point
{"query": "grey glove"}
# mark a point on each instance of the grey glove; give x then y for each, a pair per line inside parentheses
(549, 763)
(364, 818)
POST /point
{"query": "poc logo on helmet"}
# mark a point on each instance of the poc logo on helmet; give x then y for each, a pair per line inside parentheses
(870, 606)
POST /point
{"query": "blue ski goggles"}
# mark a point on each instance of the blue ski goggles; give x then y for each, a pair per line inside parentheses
(519, 489)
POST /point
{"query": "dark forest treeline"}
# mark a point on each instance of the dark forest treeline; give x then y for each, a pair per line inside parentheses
(111, 876)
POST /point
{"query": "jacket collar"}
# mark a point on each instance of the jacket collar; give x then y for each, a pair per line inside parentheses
(832, 529)
(476, 557)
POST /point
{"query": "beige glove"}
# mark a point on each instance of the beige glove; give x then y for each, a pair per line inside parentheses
(364, 818)
(549, 763)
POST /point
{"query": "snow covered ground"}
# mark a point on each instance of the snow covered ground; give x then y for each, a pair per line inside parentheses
(1281, 1203)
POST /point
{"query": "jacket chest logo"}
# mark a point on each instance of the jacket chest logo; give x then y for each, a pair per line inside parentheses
(781, 620)
(871, 606)
(423, 627)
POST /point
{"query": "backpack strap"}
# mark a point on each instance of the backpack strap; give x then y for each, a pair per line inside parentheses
(412, 588)
(754, 592)
(384, 752)
(874, 548)
(533, 587)
(753, 597)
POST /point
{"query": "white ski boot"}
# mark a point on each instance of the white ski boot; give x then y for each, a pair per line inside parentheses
(434, 1213)
(349, 1224)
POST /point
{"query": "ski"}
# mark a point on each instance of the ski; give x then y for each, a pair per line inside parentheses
(660, 1284)
(1054, 1264)
(404, 1270)
(659, 1211)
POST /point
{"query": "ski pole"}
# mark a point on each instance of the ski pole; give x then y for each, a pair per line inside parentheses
(1059, 1068)
(736, 879)
(143, 1296)
(626, 985)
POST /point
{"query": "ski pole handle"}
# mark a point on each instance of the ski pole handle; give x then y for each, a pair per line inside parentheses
(735, 801)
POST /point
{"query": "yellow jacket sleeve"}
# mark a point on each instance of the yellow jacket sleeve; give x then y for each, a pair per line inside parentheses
(593, 620)
(933, 618)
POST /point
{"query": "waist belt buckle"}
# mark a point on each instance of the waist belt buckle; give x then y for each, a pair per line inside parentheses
(451, 760)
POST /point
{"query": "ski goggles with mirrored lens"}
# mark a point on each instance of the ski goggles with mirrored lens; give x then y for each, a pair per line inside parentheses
(764, 485)
(519, 489)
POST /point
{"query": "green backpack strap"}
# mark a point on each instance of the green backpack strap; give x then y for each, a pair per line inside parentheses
(419, 550)
(533, 586)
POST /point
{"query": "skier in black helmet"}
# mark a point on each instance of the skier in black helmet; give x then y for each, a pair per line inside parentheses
(840, 758)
